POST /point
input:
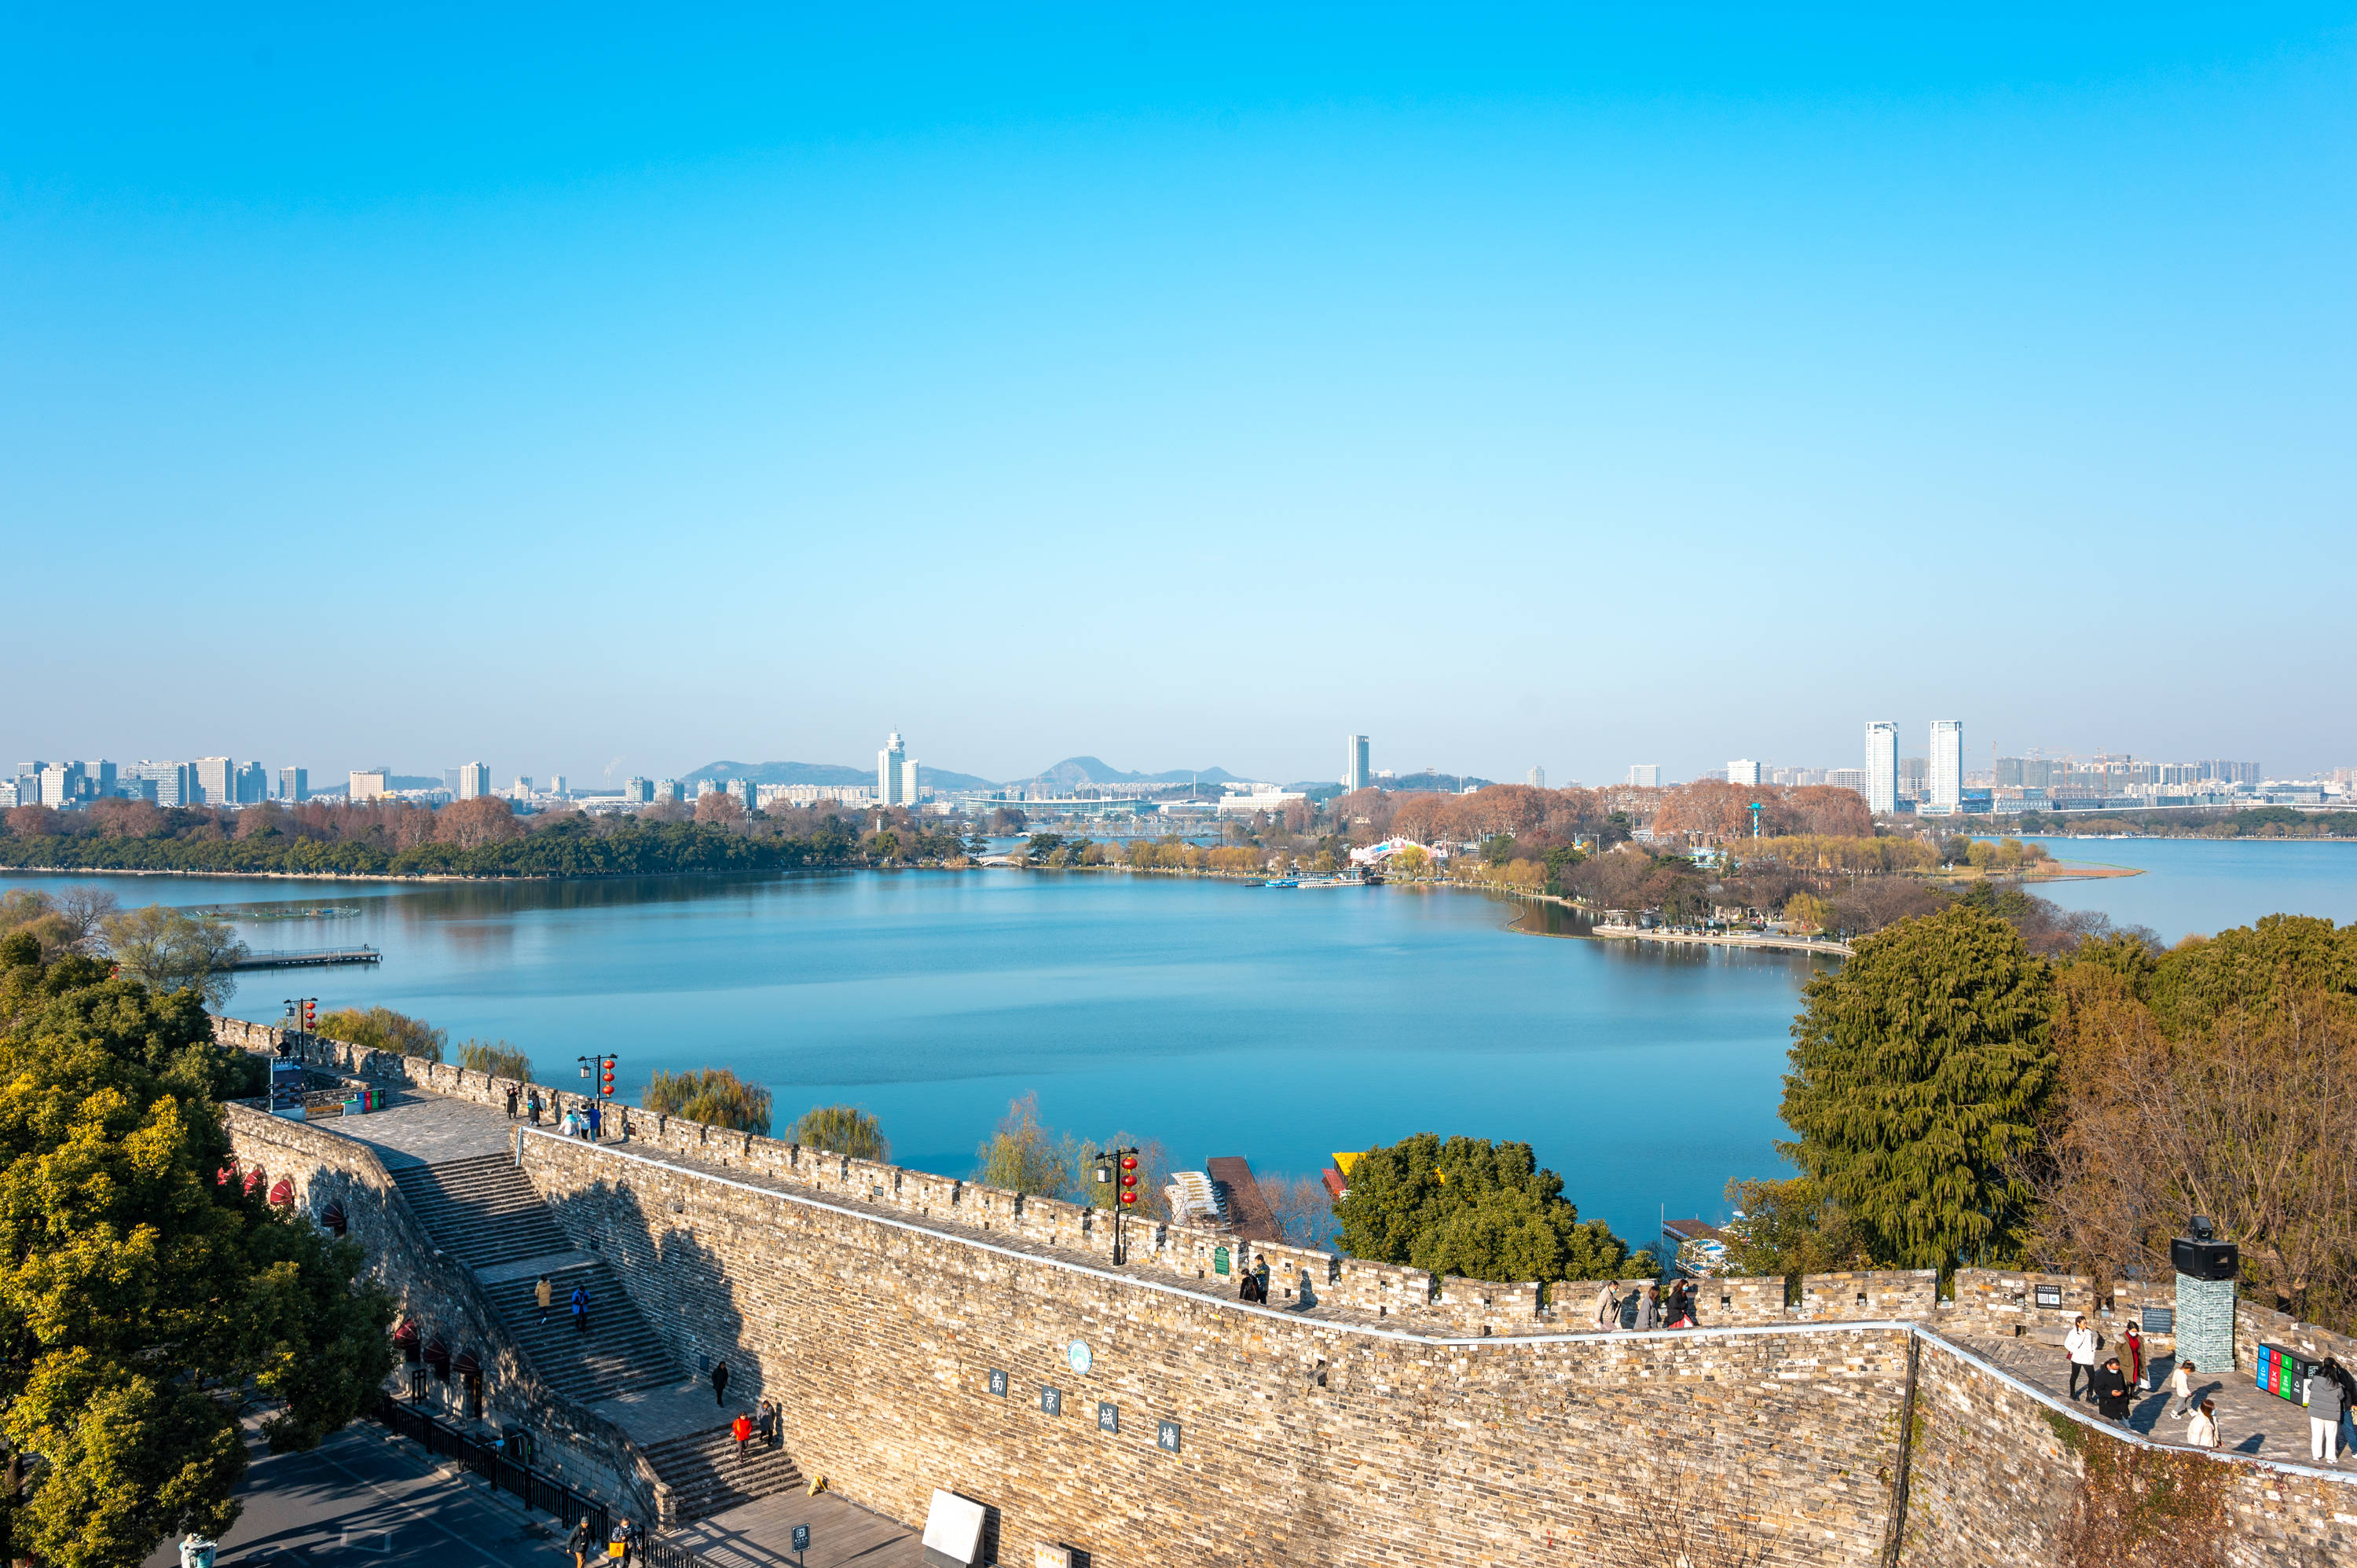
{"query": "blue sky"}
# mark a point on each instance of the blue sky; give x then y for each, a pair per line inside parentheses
(575, 389)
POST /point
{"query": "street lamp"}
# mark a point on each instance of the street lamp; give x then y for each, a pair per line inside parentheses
(1117, 1173)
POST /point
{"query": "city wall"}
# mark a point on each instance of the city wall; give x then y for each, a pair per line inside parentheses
(1368, 1413)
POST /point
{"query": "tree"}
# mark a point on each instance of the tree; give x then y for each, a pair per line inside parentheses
(712, 1095)
(382, 1029)
(1023, 1156)
(472, 824)
(1153, 1174)
(496, 1057)
(1919, 1071)
(1788, 1228)
(720, 810)
(1470, 1207)
(171, 949)
(1303, 1207)
(146, 1302)
(843, 1130)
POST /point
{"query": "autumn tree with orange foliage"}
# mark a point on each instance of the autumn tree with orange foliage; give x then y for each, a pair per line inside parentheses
(470, 824)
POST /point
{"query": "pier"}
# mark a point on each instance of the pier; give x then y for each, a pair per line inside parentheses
(1727, 940)
(313, 957)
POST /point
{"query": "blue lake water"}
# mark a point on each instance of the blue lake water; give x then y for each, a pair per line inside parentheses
(1218, 1017)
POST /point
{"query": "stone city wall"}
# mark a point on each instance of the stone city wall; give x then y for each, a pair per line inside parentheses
(576, 1444)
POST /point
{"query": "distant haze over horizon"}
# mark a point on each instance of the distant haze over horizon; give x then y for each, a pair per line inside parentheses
(1515, 387)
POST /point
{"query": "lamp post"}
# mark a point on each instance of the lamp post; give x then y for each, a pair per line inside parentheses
(1116, 1171)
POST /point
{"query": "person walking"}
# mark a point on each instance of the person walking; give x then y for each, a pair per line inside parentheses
(2111, 1392)
(2080, 1346)
(1607, 1307)
(2201, 1432)
(597, 1122)
(770, 1423)
(2327, 1401)
(532, 1105)
(2180, 1383)
(741, 1429)
(578, 1543)
(2131, 1355)
(624, 1542)
(1649, 1309)
(564, 1125)
(1260, 1278)
(580, 1305)
(512, 1101)
(544, 1293)
(720, 1383)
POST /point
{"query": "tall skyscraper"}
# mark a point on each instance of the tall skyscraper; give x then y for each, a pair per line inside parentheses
(1882, 767)
(1355, 774)
(1645, 775)
(474, 778)
(1944, 782)
(173, 782)
(556, 784)
(1743, 771)
(216, 781)
(908, 781)
(367, 783)
(252, 784)
(887, 772)
(294, 784)
(1538, 778)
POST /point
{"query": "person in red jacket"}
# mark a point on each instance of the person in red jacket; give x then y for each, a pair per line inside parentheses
(741, 1429)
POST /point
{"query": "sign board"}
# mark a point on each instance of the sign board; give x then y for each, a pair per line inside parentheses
(1052, 1557)
(998, 1381)
(1219, 1259)
(2159, 1320)
(953, 1527)
(1166, 1437)
(1051, 1401)
(1077, 1356)
(802, 1538)
(2046, 1296)
(1108, 1416)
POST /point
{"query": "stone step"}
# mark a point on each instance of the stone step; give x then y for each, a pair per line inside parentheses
(480, 1209)
(619, 1353)
(705, 1476)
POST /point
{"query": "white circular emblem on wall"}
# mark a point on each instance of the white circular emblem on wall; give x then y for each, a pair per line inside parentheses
(1077, 1353)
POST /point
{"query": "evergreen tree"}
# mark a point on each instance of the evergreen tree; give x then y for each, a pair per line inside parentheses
(145, 1302)
(1920, 1069)
(1471, 1206)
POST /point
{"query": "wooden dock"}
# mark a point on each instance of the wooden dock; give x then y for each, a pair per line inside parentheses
(313, 957)
(1729, 939)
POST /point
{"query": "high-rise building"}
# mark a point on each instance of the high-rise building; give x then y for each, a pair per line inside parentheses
(637, 790)
(1882, 767)
(1645, 775)
(747, 793)
(474, 778)
(174, 782)
(1538, 778)
(1355, 775)
(367, 783)
(294, 784)
(216, 781)
(1945, 785)
(450, 782)
(252, 784)
(707, 787)
(887, 772)
(1743, 771)
(61, 786)
(556, 784)
(522, 790)
(670, 789)
(909, 793)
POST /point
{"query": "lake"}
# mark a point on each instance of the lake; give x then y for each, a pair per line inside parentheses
(1219, 1017)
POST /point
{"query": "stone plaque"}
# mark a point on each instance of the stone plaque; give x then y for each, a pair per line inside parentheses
(1166, 1437)
(2047, 1296)
(998, 1381)
(1051, 1401)
(1108, 1416)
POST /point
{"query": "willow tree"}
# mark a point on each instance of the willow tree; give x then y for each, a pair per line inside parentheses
(1920, 1069)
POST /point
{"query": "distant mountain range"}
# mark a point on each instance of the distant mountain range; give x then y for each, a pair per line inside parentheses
(1073, 770)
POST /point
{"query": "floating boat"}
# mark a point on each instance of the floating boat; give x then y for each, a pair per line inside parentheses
(1335, 880)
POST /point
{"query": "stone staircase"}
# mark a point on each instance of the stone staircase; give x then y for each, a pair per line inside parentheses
(481, 1210)
(707, 1477)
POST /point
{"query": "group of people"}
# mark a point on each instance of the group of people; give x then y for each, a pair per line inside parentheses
(2113, 1385)
(1253, 1286)
(544, 1294)
(586, 1119)
(621, 1544)
(1644, 1310)
(763, 1423)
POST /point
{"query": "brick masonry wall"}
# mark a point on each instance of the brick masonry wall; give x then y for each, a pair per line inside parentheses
(575, 1444)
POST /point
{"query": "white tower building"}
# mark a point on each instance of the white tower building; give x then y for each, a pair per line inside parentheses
(1943, 778)
(1882, 767)
(1355, 775)
(888, 781)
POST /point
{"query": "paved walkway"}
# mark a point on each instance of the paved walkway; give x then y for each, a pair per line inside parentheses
(364, 1496)
(426, 1130)
(2248, 1421)
(842, 1535)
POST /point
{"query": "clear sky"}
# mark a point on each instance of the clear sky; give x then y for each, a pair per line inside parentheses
(577, 388)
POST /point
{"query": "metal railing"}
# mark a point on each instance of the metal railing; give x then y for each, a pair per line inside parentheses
(545, 1493)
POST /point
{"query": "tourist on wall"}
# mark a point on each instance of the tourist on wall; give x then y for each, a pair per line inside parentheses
(622, 1544)
(2327, 1401)
(1681, 1299)
(1649, 1309)
(580, 1305)
(720, 1384)
(532, 1106)
(2131, 1355)
(2201, 1432)
(2180, 1383)
(544, 1293)
(1260, 1277)
(1607, 1307)
(578, 1543)
(2080, 1346)
(512, 1101)
(770, 1423)
(597, 1121)
(2111, 1392)
(741, 1429)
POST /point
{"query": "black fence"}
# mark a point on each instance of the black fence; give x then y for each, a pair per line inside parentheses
(545, 1493)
